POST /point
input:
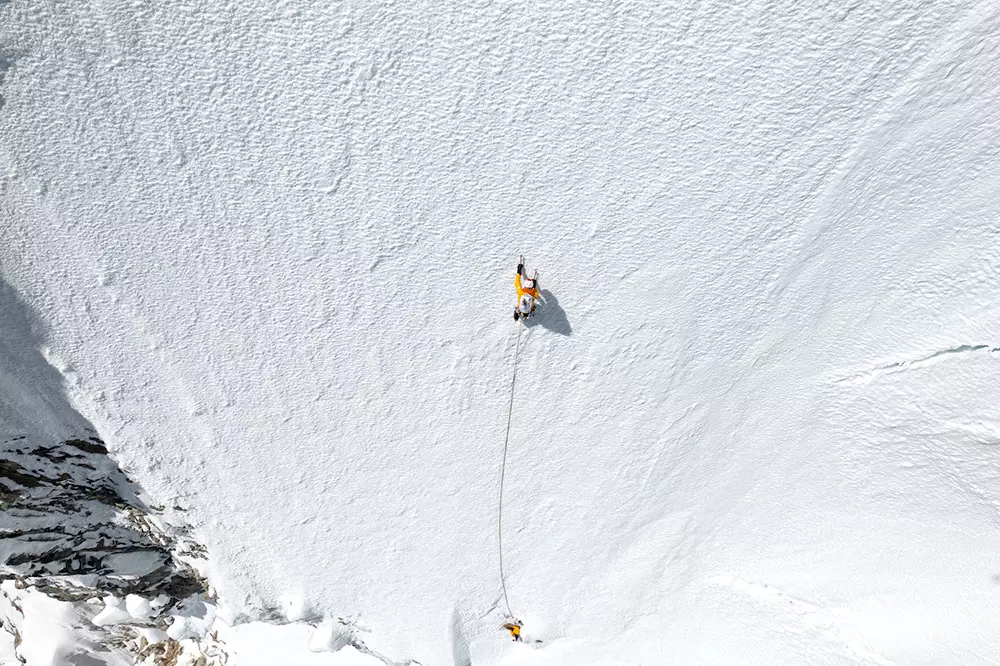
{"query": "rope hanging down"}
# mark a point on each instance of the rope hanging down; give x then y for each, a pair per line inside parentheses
(503, 469)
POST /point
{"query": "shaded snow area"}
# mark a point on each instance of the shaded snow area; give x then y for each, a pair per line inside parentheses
(258, 346)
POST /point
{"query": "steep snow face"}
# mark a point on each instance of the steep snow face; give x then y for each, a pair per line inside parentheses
(271, 249)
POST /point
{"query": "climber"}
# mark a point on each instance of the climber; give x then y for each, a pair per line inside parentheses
(515, 630)
(527, 292)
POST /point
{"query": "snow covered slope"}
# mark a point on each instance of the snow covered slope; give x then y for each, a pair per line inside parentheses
(270, 248)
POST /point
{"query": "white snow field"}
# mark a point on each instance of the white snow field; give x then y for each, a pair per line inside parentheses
(270, 247)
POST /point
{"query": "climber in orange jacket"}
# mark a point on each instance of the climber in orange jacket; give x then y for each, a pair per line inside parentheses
(515, 630)
(527, 292)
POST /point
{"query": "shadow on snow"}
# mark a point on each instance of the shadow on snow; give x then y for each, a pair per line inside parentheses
(550, 315)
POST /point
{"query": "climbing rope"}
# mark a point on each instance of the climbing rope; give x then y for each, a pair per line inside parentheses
(503, 468)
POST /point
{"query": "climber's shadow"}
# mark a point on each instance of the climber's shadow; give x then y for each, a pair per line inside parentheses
(550, 315)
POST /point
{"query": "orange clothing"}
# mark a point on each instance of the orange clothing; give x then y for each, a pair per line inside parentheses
(514, 629)
(521, 290)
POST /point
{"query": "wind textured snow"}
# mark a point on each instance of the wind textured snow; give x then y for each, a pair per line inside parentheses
(269, 247)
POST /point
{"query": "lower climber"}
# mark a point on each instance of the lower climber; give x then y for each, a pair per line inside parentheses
(515, 630)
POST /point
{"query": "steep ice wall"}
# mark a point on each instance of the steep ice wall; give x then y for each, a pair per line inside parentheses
(272, 247)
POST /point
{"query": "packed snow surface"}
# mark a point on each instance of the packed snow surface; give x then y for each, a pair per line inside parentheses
(270, 247)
